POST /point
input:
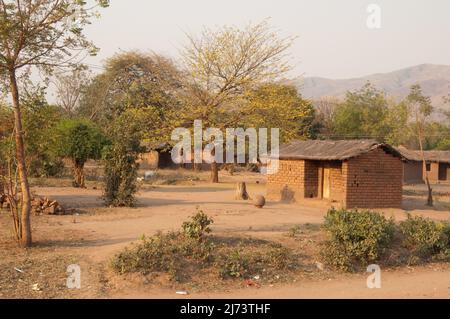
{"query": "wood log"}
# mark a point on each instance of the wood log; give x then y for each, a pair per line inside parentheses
(47, 207)
(241, 192)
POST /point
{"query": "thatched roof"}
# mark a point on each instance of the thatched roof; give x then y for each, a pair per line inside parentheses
(430, 156)
(329, 150)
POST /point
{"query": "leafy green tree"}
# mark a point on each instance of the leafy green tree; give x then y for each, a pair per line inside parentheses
(419, 110)
(134, 80)
(42, 34)
(362, 115)
(396, 120)
(6, 131)
(121, 160)
(40, 119)
(79, 140)
(444, 145)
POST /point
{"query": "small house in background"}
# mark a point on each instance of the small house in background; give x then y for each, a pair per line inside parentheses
(437, 165)
(353, 173)
(157, 156)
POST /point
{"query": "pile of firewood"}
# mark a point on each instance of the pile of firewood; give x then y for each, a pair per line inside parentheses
(45, 206)
(39, 205)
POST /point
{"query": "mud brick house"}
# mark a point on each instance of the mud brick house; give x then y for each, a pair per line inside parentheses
(437, 166)
(353, 173)
(156, 156)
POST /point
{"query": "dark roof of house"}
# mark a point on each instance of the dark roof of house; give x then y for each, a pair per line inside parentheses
(155, 146)
(330, 150)
(430, 156)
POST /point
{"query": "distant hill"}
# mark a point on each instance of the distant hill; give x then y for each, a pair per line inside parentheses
(434, 79)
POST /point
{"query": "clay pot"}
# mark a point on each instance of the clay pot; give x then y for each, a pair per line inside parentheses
(259, 201)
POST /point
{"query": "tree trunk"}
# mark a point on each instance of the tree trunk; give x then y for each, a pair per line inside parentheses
(2, 176)
(78, 175)
(214, 169)
(427, 180)
(430, 193)
(26, 239)
(241, 192)
(214, 172)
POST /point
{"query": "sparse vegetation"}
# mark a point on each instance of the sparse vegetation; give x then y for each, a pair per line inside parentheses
(183, 254)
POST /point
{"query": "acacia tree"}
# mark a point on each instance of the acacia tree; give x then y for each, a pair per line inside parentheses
(420, 108)
(221, 65)
(44, 34)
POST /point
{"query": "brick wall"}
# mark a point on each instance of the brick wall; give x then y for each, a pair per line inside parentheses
(412, 172)
(374, 180)
(296, 180)
(337, 181)
(433, 174)
(288, 183)
(311, 189)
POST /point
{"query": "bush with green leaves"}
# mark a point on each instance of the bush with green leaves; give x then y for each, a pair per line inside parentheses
(356, 238)
(426, 238)
(198, 227)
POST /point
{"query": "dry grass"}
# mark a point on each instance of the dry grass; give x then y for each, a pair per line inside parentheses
(21, 269)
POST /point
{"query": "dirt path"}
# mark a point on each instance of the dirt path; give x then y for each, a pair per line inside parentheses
(99, 232)
(423, 282)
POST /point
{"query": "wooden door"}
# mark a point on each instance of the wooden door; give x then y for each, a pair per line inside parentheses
(326, 183)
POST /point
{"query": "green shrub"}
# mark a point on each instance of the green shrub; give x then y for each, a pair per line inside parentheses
(426, 238)
(357, 238)
(198, 227)
(121, 160)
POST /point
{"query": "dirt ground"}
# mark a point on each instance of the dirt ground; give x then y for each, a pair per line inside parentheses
(93, 234)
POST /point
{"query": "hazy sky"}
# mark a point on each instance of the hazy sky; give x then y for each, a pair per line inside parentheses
(334, 40)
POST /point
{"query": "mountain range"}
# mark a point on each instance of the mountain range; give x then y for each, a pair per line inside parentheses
(434, 80)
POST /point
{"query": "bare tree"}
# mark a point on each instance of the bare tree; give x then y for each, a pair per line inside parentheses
(325, 112)
(69, 88)
(222, 64)
(420, 109)
(45, 34)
